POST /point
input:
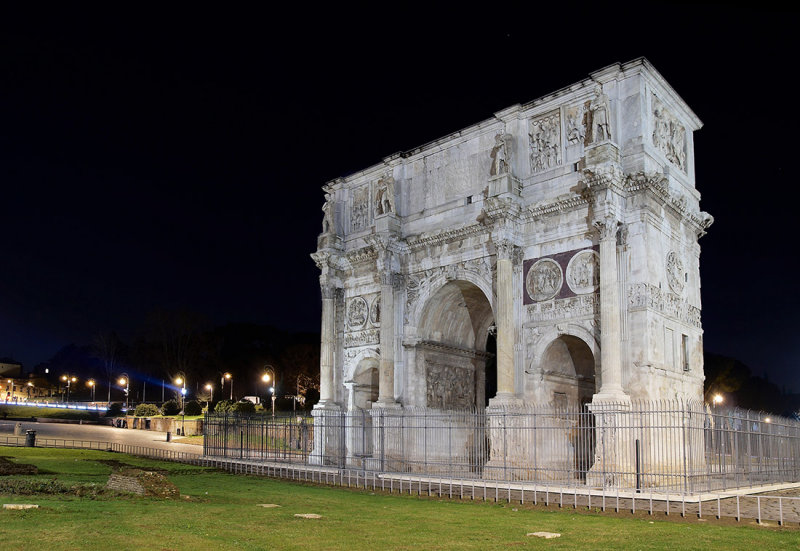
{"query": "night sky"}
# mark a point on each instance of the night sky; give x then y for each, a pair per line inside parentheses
(154, 159)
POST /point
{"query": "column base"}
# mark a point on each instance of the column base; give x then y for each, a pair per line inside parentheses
(504, 400)
(610, 396)
(386, 405)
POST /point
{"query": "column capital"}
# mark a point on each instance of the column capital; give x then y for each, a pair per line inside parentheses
(607, 227)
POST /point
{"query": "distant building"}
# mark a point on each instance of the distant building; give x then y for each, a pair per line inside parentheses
(10, 368)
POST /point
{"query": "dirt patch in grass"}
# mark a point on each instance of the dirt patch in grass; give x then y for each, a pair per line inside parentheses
(8, 467)
(117, 465)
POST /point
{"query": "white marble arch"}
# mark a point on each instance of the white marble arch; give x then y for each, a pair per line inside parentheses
(446, 358)
(539, 384)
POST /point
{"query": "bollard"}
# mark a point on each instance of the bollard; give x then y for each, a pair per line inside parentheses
(18, 429)
(30, 438)
(169, 436)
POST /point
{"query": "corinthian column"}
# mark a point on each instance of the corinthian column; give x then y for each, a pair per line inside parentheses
(505, 321)
(386, 376)
(610, 336)
(327, 344)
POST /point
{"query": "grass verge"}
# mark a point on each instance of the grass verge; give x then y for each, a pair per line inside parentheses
(221, 510)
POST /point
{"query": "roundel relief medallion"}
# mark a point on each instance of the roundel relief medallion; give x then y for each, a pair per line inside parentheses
(375, 311)
(583, 272)
(544, 279)
(357, 313)
(676, 277)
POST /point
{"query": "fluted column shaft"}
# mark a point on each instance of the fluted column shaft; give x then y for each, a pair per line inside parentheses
(327, 344)
(610, 336)
(505, 320)
(386, 375)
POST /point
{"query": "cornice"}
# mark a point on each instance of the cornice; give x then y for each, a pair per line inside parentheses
(657, 185)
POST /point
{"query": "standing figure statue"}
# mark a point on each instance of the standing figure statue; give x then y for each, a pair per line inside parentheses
(601, 116)
(327, 217)
(499, 155)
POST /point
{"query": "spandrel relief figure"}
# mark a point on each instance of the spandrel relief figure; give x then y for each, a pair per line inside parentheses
(601, 116)
(500, 155)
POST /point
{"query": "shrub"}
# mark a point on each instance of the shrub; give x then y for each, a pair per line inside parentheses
(224, 406)
(114, 409)
(193, 407)
(146, 410)
(171, 407)
(245, 406)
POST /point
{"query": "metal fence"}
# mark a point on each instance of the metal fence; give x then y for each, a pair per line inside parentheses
(661, 446)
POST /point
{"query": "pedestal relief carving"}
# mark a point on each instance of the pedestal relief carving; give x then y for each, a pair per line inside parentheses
(357, 312)
(545, 136)
(669, 135)
(583, 272)
(544, 280)
(676, 276)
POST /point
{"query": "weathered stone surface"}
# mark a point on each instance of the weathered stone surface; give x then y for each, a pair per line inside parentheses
(545, 535)
(565, 229)
(20, 506)
(307, 515)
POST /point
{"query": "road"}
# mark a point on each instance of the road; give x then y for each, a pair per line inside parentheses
(100, 433)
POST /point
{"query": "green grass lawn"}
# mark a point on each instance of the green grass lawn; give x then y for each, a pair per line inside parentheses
(26, 412)
(221, 511)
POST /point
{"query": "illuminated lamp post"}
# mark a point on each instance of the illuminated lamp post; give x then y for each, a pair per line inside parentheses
(210, 388)
(68, 379)
(226, 377)
(91, 384)
(266, 377)
(126, 382)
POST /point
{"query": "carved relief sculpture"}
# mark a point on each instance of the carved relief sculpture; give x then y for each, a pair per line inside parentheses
(544, 280)
(576, 130)
(384, 196)
(669, 135)
(545, 138)
(375, 311)
(675, 273)
(601, 116)
(360, 218)
(357, 313)
(500, 155)
(449, 387)
(583, 272)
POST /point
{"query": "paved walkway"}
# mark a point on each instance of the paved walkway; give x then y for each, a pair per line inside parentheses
(100, 433)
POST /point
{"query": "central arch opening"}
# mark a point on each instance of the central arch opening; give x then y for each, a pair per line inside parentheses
(453, 354)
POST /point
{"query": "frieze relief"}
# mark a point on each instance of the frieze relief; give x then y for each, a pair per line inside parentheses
(450, 387)
(565, 308)
(362, 338)
(545, 139)
(669, 135)
(643, 296)
(576, 126)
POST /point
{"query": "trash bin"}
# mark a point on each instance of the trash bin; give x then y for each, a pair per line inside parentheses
(30, 438)
(169, 436)
(147, 424)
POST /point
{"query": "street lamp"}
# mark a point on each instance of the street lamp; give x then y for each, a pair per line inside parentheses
(228, 377)
(181, 380)
(267, 378)
(91, 384)
(210, 388)
(69, 379)
(718, 399)
(126, 382)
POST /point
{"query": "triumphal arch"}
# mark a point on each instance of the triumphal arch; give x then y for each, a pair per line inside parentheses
(546, 255)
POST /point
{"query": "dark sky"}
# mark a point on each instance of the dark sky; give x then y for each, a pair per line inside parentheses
(153, 159)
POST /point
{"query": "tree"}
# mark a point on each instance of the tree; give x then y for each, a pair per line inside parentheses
(106, 347)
